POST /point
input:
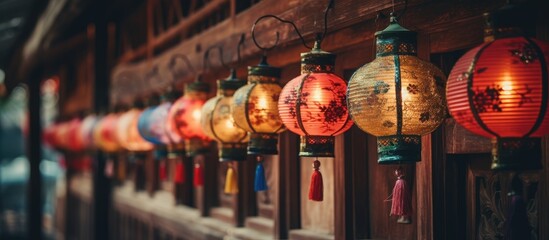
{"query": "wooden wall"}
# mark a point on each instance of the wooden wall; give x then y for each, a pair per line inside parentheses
(449, 185)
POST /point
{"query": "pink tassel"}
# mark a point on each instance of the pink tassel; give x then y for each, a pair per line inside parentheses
(402, 199)
(316, 189)
(109, 168)
(162, 171)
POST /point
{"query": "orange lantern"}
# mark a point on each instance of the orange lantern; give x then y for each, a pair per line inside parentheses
(127, 132)
(104, 134)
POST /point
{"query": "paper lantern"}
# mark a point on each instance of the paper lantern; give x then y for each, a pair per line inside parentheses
(127, 132)
(313, 105)
(500, 90)
(85, 132)
(75, 143)
(255, 108)
(104, 134)
(397, 98)
(152, 124)
(184, 117)
(218, 123)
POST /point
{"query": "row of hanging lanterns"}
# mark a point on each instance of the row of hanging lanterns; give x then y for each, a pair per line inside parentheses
(498, 90)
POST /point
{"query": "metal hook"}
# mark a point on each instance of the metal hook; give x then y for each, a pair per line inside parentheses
(240, 44)
(328, 8)
(185, 59)
(277, 33)
(397, 16)
(152, 73)
(206, 60)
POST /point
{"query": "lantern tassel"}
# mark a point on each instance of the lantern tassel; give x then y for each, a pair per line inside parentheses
(198, 178)
(402, 199)
(231, 181)
(260, 183)
(162, 171)
(179, 176)
(316, 189)
(516, 225)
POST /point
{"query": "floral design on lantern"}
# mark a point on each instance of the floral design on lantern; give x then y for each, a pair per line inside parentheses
(500, 90)
(313, 105)
(255, 108)
(185, 115)
(397, 97)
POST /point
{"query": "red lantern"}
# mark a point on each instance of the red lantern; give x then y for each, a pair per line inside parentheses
(185, 114)
(500, 90)
(313, 105)
(75, 143)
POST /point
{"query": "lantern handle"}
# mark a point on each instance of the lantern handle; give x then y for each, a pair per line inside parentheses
(322, 35)
(396, 16)
(185, 59)
(206, 60)
(277, 33)
(240, 44)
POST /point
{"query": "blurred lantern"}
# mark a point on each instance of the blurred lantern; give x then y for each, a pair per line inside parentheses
(218, 123)
(104, 134)
(85, 132)
(152, 124)
(185, 114)
(75, 143)
(500, 90)
(397, 98)
(127, 132)
(313, 106)
(62, 136)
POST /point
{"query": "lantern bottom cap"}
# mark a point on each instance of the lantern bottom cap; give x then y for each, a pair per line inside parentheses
(399, 149)
(513, 154)
(232, 152)
(263, 144)
(195, 146)
(317, 146)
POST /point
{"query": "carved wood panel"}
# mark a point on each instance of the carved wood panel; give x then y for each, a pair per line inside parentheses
(489, 202)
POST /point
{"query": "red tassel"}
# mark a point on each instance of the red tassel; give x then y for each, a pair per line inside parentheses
(162, 171)
(316, 189)
(402, 199)
(198, 179)
(109, 168)
(179, 176)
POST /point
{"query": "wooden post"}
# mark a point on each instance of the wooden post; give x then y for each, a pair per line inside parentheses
(207, 194)
(101, 184)
(245, 200)
(34, 155)
(287, 214)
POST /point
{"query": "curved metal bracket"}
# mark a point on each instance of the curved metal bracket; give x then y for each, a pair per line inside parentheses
(265, 49)
(206, 60)
(184, 58)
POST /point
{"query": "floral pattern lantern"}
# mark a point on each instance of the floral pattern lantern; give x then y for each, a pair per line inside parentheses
(500, 90)
(127, 132)
(397, 98)
(104, 134)
(313, 105)
(218, 123)
(184, 117)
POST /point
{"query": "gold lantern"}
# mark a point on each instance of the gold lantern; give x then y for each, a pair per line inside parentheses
(218, 123)
(255, 108)
(397, 97)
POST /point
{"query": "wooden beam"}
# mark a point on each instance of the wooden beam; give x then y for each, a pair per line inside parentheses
(155, 42)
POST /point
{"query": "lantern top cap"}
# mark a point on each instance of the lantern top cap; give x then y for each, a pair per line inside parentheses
(394, 29)
(318, 56)
(264, 69)
(231, 82)
(198, 86)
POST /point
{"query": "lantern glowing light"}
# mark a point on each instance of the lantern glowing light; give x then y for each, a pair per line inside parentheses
(255, 108)
(218, 123)
(104, 134)
(500, 90)
(313, 105)
(184, 118)
(127, 132)
(397, 97)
